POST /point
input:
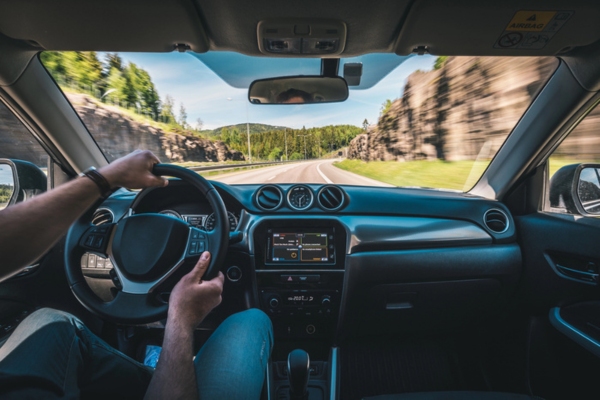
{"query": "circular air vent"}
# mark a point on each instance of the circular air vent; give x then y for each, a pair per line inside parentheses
(496, 220)
(331, 198)
(269, 197)
(103, 216)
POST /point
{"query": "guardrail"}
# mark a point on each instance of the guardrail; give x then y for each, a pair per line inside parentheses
(233, 166)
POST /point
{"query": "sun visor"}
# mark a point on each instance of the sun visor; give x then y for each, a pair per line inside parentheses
(500, 28)
(132, 25)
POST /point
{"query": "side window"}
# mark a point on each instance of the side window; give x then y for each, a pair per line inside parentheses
(582, 146)
(16, 142)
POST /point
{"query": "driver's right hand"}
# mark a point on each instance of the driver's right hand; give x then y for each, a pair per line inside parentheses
(192, 298)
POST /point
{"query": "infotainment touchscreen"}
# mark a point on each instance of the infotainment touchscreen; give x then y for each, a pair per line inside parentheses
(295, 246)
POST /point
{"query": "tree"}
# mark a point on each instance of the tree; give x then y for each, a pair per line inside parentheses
(113, 60)
(166, 114)
(439, 62)
(365, 124)
(199, 124)
(182, 116)
(275, 154)
(385, 107)
(115, 86)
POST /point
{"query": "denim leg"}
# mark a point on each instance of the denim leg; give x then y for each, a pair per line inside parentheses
(233, 362)
(53, 355)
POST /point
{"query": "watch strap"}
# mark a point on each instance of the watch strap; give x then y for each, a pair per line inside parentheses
(98, 179)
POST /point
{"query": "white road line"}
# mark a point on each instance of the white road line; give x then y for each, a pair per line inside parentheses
(322, 174)
(273, 177)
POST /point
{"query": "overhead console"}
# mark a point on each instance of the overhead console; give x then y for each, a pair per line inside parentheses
(299, 272)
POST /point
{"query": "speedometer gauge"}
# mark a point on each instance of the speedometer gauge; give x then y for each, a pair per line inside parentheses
(209, 225)
(300, 197)
(171, 213)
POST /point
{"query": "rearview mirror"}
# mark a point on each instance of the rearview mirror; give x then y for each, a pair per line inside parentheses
(298, 90)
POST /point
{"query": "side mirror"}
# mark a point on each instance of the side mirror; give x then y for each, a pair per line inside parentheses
(588, 189)
(7, 185)
(576, 188)
(20, 181)
(298, 90)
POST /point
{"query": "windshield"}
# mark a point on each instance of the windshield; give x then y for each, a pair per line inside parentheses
(416, 121)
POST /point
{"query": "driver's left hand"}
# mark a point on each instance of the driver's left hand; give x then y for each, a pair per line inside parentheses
(134, 171)
(192, 298)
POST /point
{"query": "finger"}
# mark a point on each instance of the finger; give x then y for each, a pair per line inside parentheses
(201, 266)
(218, 280)
(155, 180)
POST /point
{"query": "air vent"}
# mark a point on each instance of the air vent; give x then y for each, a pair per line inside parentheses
(331, 198)
(496, 220)
(269, 197)
(103, 216)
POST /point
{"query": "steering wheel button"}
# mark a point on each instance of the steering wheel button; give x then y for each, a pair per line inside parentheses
(89, 240)
(195, 234)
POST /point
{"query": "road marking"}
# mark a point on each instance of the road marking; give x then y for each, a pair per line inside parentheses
(271, 177)
(322, 174)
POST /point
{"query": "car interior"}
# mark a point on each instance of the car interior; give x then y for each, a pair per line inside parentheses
(414, 293)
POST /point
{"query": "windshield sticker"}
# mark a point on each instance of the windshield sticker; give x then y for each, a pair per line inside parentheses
(532, 29)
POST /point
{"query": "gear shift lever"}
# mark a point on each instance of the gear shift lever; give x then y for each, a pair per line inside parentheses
(298, 373)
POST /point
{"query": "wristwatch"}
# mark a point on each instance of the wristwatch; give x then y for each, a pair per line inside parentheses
(98, 179)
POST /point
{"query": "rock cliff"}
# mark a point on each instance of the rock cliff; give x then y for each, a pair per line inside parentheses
(118, 135)
(463, 110)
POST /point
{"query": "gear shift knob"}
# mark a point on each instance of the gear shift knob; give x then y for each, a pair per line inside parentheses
(298, 373)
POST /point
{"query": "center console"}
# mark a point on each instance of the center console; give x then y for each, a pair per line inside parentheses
(299, 264)
(300, 273)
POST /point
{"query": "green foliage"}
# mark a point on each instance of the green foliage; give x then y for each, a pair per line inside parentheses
(269, 144)
(112, 81)
(5, 193)
(254, 128)
(385, 107)
(439, 62)
(275, 154)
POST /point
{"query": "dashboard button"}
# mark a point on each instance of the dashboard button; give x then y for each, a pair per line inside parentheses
(234, 273)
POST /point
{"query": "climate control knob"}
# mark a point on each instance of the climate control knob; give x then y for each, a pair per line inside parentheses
(326, 301)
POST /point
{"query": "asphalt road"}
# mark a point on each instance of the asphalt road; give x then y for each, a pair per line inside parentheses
(317, 171)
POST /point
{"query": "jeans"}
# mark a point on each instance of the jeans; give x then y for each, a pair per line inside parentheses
(52, 355)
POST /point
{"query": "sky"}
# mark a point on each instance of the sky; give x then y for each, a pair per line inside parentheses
(208, 97)
(6, 175)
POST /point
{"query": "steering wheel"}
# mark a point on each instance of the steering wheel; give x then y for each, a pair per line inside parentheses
(145, 250)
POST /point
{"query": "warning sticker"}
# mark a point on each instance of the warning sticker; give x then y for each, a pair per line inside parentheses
(530, 21)
(532, 29)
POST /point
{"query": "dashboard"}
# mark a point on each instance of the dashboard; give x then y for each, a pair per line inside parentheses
(324, 261)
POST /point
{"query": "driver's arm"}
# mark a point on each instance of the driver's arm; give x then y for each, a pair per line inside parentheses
(28, 230)
(190, 301)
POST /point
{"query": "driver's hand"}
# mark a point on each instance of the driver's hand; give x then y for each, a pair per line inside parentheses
(134, 171)
(192, 298)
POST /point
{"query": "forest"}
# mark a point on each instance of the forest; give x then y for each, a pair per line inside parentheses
(291, 144)
(114, 82)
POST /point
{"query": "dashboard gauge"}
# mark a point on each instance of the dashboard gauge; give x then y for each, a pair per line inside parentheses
(209, 225)
(171, 213)
(300, 197)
